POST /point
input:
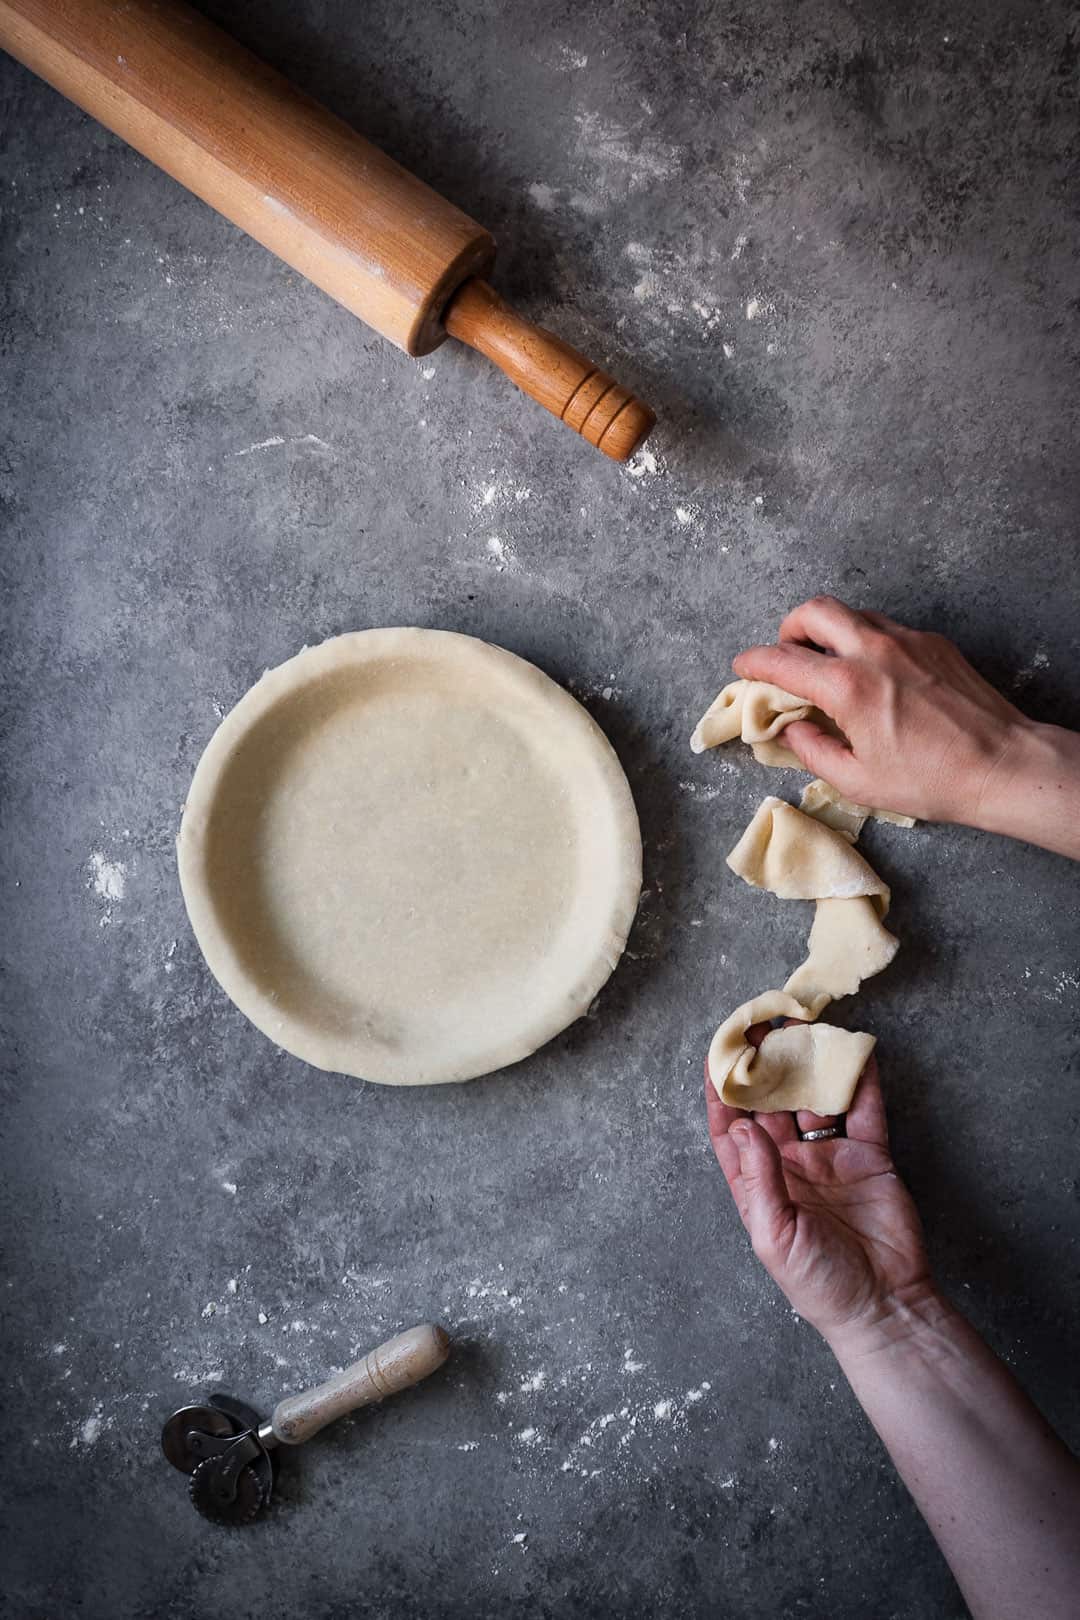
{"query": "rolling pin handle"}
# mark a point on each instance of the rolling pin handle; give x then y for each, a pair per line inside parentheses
(397, 1364)
(549, 370)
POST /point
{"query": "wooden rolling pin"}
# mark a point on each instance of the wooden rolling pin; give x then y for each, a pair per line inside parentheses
(309, 188)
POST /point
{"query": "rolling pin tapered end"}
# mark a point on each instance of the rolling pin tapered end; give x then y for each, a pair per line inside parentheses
(554, 374)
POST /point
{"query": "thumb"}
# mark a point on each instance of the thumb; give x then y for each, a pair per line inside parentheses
(764, 1205)
(824, 755)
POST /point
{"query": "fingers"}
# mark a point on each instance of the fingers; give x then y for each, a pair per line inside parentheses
(816, 1122)
(809, 675)
(761, 1192)
(721, 1118)
(821, 754)
(881, 621)
(866, 1120)
(827, 623)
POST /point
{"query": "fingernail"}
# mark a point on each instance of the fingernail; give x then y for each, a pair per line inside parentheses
(741, 1133)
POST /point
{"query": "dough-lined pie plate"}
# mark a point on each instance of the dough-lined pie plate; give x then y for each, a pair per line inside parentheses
(410, 856)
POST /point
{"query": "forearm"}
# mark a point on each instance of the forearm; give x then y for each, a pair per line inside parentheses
(999, 1490)
(1033, 791)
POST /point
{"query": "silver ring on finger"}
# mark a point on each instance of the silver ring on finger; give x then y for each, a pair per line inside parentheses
(822, 1135)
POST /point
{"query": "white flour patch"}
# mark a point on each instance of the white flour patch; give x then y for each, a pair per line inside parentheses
(468, 1445)
(263, 444)
(645, 463)
(276, 442)
(774, 1445)
(499, 552)
(684, 516)
(1039, 661)
(637, 161)
(91, 1429)
(663, 1410)
(573, 61)
(741, 244)
(229, 1187)
(499, 495)
(529, 1436)
(629, 1365)
(757, 308)
(545, 197)
(108, 878)
(427, 372)
(534, 1382)
(677, 290)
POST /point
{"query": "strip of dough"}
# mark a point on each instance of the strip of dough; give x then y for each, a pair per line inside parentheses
(814, 1066)
(825, 803)
(758, 712)
(798, 857)
(848, 944)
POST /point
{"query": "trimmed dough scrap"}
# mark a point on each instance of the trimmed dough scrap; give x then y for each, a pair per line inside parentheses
(847, 945)
(758, 712)
(813, 1066)
(826, 804)
(798, 858)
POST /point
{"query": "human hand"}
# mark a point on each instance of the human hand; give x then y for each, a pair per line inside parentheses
(830, 1221)
(924, 732)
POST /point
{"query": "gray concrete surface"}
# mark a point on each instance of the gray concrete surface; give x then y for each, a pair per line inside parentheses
(836, 245)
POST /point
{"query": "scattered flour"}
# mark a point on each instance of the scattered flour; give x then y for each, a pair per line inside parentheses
(623, 156)
(91, 1429)
(533, 1383)
(108, 880)
(263, 444)
(529, 1436)
(663, 1410)
(645, 463)
(545, 197)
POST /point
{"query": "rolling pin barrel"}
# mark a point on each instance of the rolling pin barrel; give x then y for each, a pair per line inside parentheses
(239, 136)
(301, 182)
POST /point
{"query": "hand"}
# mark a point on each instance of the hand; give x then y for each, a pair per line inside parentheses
(830, 1221)
(924, 733)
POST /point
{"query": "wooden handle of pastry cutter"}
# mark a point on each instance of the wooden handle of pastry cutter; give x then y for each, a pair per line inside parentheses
(395, 1365)
(307, 187)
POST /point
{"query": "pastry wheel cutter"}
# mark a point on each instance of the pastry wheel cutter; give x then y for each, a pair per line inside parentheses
(227, 1448)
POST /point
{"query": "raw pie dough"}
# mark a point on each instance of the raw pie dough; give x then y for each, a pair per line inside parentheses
(410, 856)
(814, 1066)
(804, 854)
(758, 712)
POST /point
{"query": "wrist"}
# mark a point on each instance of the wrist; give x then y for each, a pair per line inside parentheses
(1033, 755)
(913, 1319)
